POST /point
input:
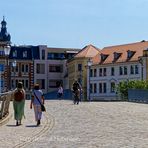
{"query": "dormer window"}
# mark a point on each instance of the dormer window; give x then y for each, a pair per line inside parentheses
(116, 55)
(103, 57)
(130, 54)
(14, 53)
(25, 54)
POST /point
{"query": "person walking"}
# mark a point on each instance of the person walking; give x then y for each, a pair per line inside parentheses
(36, 100)
(60, 92)
(19, 103)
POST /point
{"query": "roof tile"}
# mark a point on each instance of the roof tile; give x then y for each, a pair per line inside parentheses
(137, 47)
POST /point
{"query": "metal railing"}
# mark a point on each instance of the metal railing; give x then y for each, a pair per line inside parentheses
(138, 95)
(5, 99)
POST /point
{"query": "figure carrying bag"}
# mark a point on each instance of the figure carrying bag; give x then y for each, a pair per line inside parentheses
(43, 109)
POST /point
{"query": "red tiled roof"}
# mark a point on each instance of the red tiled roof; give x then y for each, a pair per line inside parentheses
(88, 51)
(136, 47)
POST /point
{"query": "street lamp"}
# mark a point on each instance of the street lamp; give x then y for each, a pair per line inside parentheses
(7, 52)
(141, 62)
(89, 64)
(14, 66)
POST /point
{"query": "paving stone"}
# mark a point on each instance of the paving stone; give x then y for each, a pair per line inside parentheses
(87, 125)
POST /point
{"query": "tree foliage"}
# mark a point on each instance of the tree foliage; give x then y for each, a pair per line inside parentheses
(122, 88)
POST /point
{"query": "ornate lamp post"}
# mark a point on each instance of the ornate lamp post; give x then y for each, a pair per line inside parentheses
(89, 64)
(141, 62)
(14, 66)
(7, 52)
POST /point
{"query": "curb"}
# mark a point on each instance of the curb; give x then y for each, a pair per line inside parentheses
(5, 119)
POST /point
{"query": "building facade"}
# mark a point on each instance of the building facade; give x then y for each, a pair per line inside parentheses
(5, 42)
(57, 72)
(114, 65)
(77, 67)
(24, 57)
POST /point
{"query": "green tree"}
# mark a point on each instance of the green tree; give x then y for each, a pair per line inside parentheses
(122, 88)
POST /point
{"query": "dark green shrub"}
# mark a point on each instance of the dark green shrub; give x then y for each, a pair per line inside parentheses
(122, 88)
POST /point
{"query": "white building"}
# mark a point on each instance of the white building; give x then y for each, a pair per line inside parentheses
(113, 65)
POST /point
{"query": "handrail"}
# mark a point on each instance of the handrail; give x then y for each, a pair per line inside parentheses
(5, 99)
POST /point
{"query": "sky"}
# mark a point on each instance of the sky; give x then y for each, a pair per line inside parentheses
(75, 23)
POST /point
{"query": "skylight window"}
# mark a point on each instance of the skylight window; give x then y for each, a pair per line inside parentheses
(103, 57)
(130, 54)
(116, 56)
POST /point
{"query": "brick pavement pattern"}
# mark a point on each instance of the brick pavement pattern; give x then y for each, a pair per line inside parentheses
(88, 125)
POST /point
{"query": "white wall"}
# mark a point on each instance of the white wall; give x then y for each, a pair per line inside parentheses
(108, 79)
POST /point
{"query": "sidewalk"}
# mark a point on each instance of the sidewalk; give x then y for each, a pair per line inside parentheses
(13, 136)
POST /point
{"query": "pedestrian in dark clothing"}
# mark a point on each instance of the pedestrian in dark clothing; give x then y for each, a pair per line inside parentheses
(76, 87)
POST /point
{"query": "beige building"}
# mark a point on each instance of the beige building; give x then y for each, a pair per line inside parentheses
(77, 67)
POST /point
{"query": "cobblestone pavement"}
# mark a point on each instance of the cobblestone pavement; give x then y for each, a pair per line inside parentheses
(88, 125)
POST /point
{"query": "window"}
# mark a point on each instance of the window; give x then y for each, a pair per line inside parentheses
(100, 87)
(91, 72)
(41, 82)
(16, 68)
(26, 84)
(116, 56)
(120, 70)
(79, 67)
(112, 87)
(56, 68)
(91, 88)
(57, 56)
(95, 88)
(112, 71)
(54, 83)
(103, 57)
(43, 54)
(16, 82)
(132, 69)
(14, 54)
(104, 87)
(100, 72)
(27, 68)
(22, 67)
(50, 55)
(130, 54)
(1, 83)
(95, 72)
(25, 54)
(40, 68)
(136, 69)
(1, 67)
(12, 84)
(104, 71)
(2, 53)
(125, 70)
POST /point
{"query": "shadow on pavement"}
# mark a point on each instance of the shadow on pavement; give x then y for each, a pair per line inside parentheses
(11, 125)
(31, 125)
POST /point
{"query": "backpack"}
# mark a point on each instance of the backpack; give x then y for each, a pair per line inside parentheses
(19, 95)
